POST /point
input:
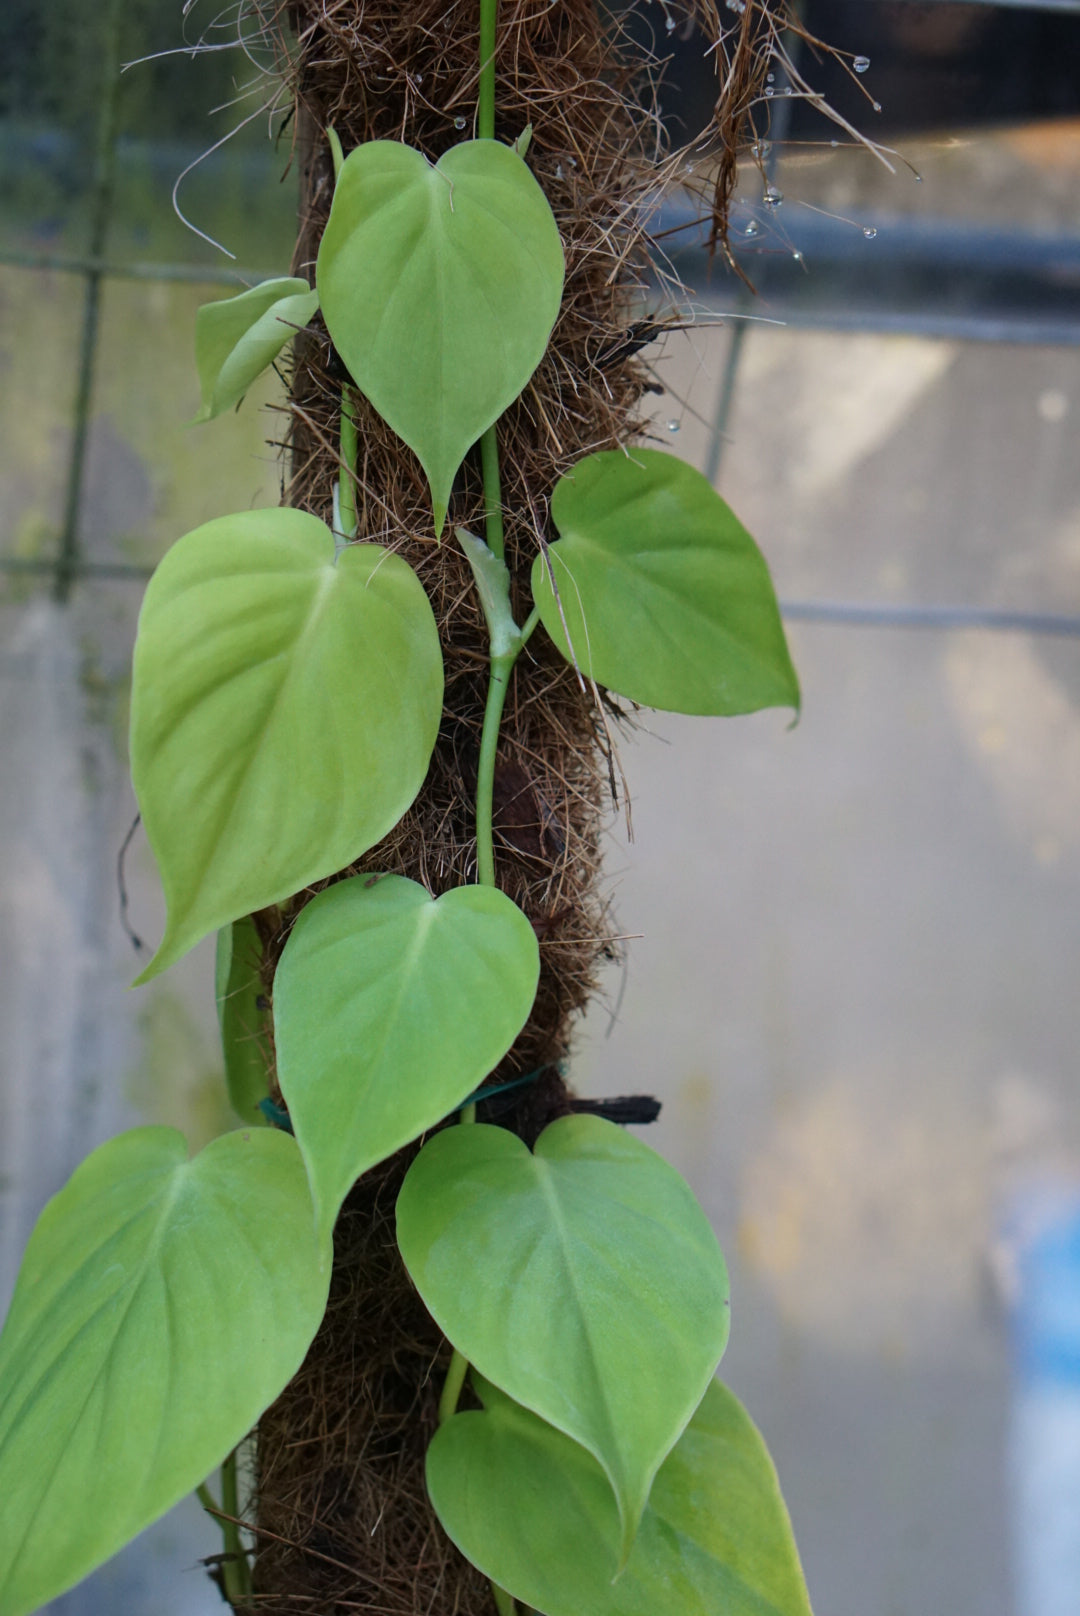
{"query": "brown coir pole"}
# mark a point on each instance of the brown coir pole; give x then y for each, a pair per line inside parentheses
(341, 1513)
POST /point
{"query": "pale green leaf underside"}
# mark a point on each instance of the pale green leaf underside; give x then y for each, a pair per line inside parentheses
(584, 1280)
(533, 1511)
(284, 710)
(237, 987)
(665, 598)
(236, 338)
(389, 1009)
(162, 1304)
(440, 286)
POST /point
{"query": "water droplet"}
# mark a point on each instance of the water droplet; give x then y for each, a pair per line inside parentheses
(834, 143)
(1053, 405)
(419, 78)
(876, 105)
(869, 231)
(797, 255)
(558, 171)
(751, 228)
(861, 63)
(459, 123)
(673, 426)
(772, 197)
(769, 91)
(670, 25)
(736, 5)
(770, 78)
(689, 168)
(572, 161)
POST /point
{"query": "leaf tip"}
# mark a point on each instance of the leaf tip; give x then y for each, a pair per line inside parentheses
(148, 973)
(628, 1530)
(169, 950)
(324, 1210)
(794, 701)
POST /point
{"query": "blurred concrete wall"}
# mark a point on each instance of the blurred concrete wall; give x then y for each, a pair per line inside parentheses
(852, 978)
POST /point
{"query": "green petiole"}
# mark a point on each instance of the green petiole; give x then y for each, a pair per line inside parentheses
(485, 112)
(493, 522)
(345, 488)
(235, 1568)
(455, 1379)
(499, 683)
(503, 1602)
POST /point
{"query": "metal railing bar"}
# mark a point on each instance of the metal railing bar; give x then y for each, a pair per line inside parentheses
(838, 613)
(1015, 329)
(115, 269)
(868, 238)
(1002, 620)
(34, 567)
(104, 178)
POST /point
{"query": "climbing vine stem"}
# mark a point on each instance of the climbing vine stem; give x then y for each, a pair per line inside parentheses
(498, 685)
(500, 669)
(485, 111)
(235, 1568)
(345, 492)
(485, 128)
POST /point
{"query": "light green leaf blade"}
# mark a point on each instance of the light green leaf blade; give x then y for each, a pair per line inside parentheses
(284, 710)
(534, 1512)
(236, 338)
(390, 1007)
(161, 1306)
(583, 1279)
(440, 286)
(237, 988)
(663, 596)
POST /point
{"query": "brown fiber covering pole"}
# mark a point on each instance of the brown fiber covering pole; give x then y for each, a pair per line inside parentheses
(341, 1514)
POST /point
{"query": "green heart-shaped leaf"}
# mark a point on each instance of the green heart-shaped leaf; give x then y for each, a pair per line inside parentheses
(440, 286)
(238, 988)
(584, 1280)
(663, 596)
(237, 337)
(161, 1306)
(533, 1511)
(284, 710)
(389, 1009)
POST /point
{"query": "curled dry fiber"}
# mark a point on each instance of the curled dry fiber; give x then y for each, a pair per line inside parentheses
(341, 1512)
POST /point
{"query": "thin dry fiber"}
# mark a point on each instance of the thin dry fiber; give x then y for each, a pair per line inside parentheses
(341, 1518)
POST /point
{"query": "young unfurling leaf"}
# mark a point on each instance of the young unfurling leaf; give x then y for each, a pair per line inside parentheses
(236, 338)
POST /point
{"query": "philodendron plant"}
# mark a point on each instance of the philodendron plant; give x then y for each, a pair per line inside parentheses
(288, 684)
